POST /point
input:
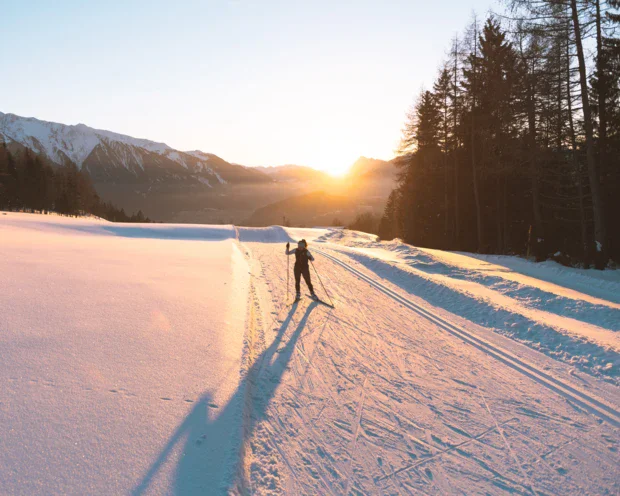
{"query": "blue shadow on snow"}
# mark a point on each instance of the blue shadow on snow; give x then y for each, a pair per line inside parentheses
(200, 469)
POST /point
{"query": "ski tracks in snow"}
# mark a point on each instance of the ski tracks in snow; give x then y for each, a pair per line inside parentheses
(373, 398)
(595, 405)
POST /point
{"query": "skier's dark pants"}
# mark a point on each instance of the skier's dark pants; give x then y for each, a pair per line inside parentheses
(303, 272)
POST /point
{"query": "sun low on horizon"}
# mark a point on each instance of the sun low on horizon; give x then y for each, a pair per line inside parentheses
(309, 247)
(263, 84)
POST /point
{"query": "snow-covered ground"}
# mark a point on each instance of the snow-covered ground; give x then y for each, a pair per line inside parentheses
(159, 359)
(118, 343)
(570, 314)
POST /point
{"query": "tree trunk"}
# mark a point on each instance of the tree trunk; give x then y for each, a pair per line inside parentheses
(600, 234)
(480, 248)
(499, 216)
(445, 169)
(507, 238)
(445, 200)
(473, 147)
(576, 166)
(601, 67)
(560, 122)
(539, 231)
(457, 234)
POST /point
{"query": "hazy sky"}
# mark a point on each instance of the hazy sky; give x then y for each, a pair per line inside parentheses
(257, 82)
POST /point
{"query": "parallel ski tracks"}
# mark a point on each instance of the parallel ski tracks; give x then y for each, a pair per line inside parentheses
(589, 402)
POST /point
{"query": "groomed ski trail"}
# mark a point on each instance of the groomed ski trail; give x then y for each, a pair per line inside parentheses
(375, 397)
(592, 403)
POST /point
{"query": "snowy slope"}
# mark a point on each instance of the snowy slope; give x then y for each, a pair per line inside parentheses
(60, 141)
(118, 343)
(165, 359)
(385, 394)
(109, 156)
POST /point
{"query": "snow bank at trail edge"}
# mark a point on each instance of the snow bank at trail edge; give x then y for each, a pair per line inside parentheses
(570, 314)
(273, 234)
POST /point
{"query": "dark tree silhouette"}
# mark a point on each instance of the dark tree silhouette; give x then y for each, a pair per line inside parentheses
(517, 148)
(29, 182)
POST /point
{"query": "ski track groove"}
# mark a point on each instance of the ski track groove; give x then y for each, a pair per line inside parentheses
(270, 423)
(367, 370)
(440, 453)
(576, 489)
(508, 446)
(591, 403)
(361, 401)
(330, 356)
(309, 429)
(310, 365)
(282, 455)
(443, 482)
(294, 322)
(356, 433)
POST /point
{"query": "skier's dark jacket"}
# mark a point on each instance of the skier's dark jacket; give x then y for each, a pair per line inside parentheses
(302, 256)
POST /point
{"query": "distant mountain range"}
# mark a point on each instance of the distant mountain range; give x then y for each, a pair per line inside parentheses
(326, 200)
(194, 186)
(115, 158)
(372, 168)
(363, 167)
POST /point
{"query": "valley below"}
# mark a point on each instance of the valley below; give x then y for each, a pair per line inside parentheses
(170, 185)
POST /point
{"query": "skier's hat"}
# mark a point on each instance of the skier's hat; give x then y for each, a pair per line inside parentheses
(304, 242)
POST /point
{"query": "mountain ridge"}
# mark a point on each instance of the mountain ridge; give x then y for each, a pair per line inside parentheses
(113, 157)
(187, 186)
(89, 147)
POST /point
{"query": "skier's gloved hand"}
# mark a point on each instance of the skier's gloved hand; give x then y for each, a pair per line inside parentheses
(288, 245)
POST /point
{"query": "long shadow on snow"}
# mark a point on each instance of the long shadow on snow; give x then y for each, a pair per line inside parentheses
(204, 464)
(541, 337)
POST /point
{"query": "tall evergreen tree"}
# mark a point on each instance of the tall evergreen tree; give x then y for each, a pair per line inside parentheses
(600, 230)
(441, 92)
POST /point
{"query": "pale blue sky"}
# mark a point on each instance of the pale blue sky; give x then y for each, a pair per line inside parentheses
(257, 82)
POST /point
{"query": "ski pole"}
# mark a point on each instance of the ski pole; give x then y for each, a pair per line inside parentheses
(323, 285)
(288, 270)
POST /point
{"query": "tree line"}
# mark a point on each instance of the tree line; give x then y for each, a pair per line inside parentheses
(516, 149)
(28, 183)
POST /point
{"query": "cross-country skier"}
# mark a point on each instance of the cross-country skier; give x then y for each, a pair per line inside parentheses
(302, 256)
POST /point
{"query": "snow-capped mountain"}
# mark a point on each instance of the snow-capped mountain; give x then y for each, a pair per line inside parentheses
(116, 158)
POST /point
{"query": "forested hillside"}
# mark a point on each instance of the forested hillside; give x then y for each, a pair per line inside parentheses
(29, 182)
(516, 149)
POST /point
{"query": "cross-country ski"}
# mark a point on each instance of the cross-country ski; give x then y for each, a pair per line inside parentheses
(318, 300)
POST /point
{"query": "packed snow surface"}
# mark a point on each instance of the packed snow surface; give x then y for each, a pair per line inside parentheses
(118, 343)
(572, 314)
(168, 359)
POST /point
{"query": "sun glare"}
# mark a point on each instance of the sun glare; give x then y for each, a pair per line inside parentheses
(338, 172)
(338, 165)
